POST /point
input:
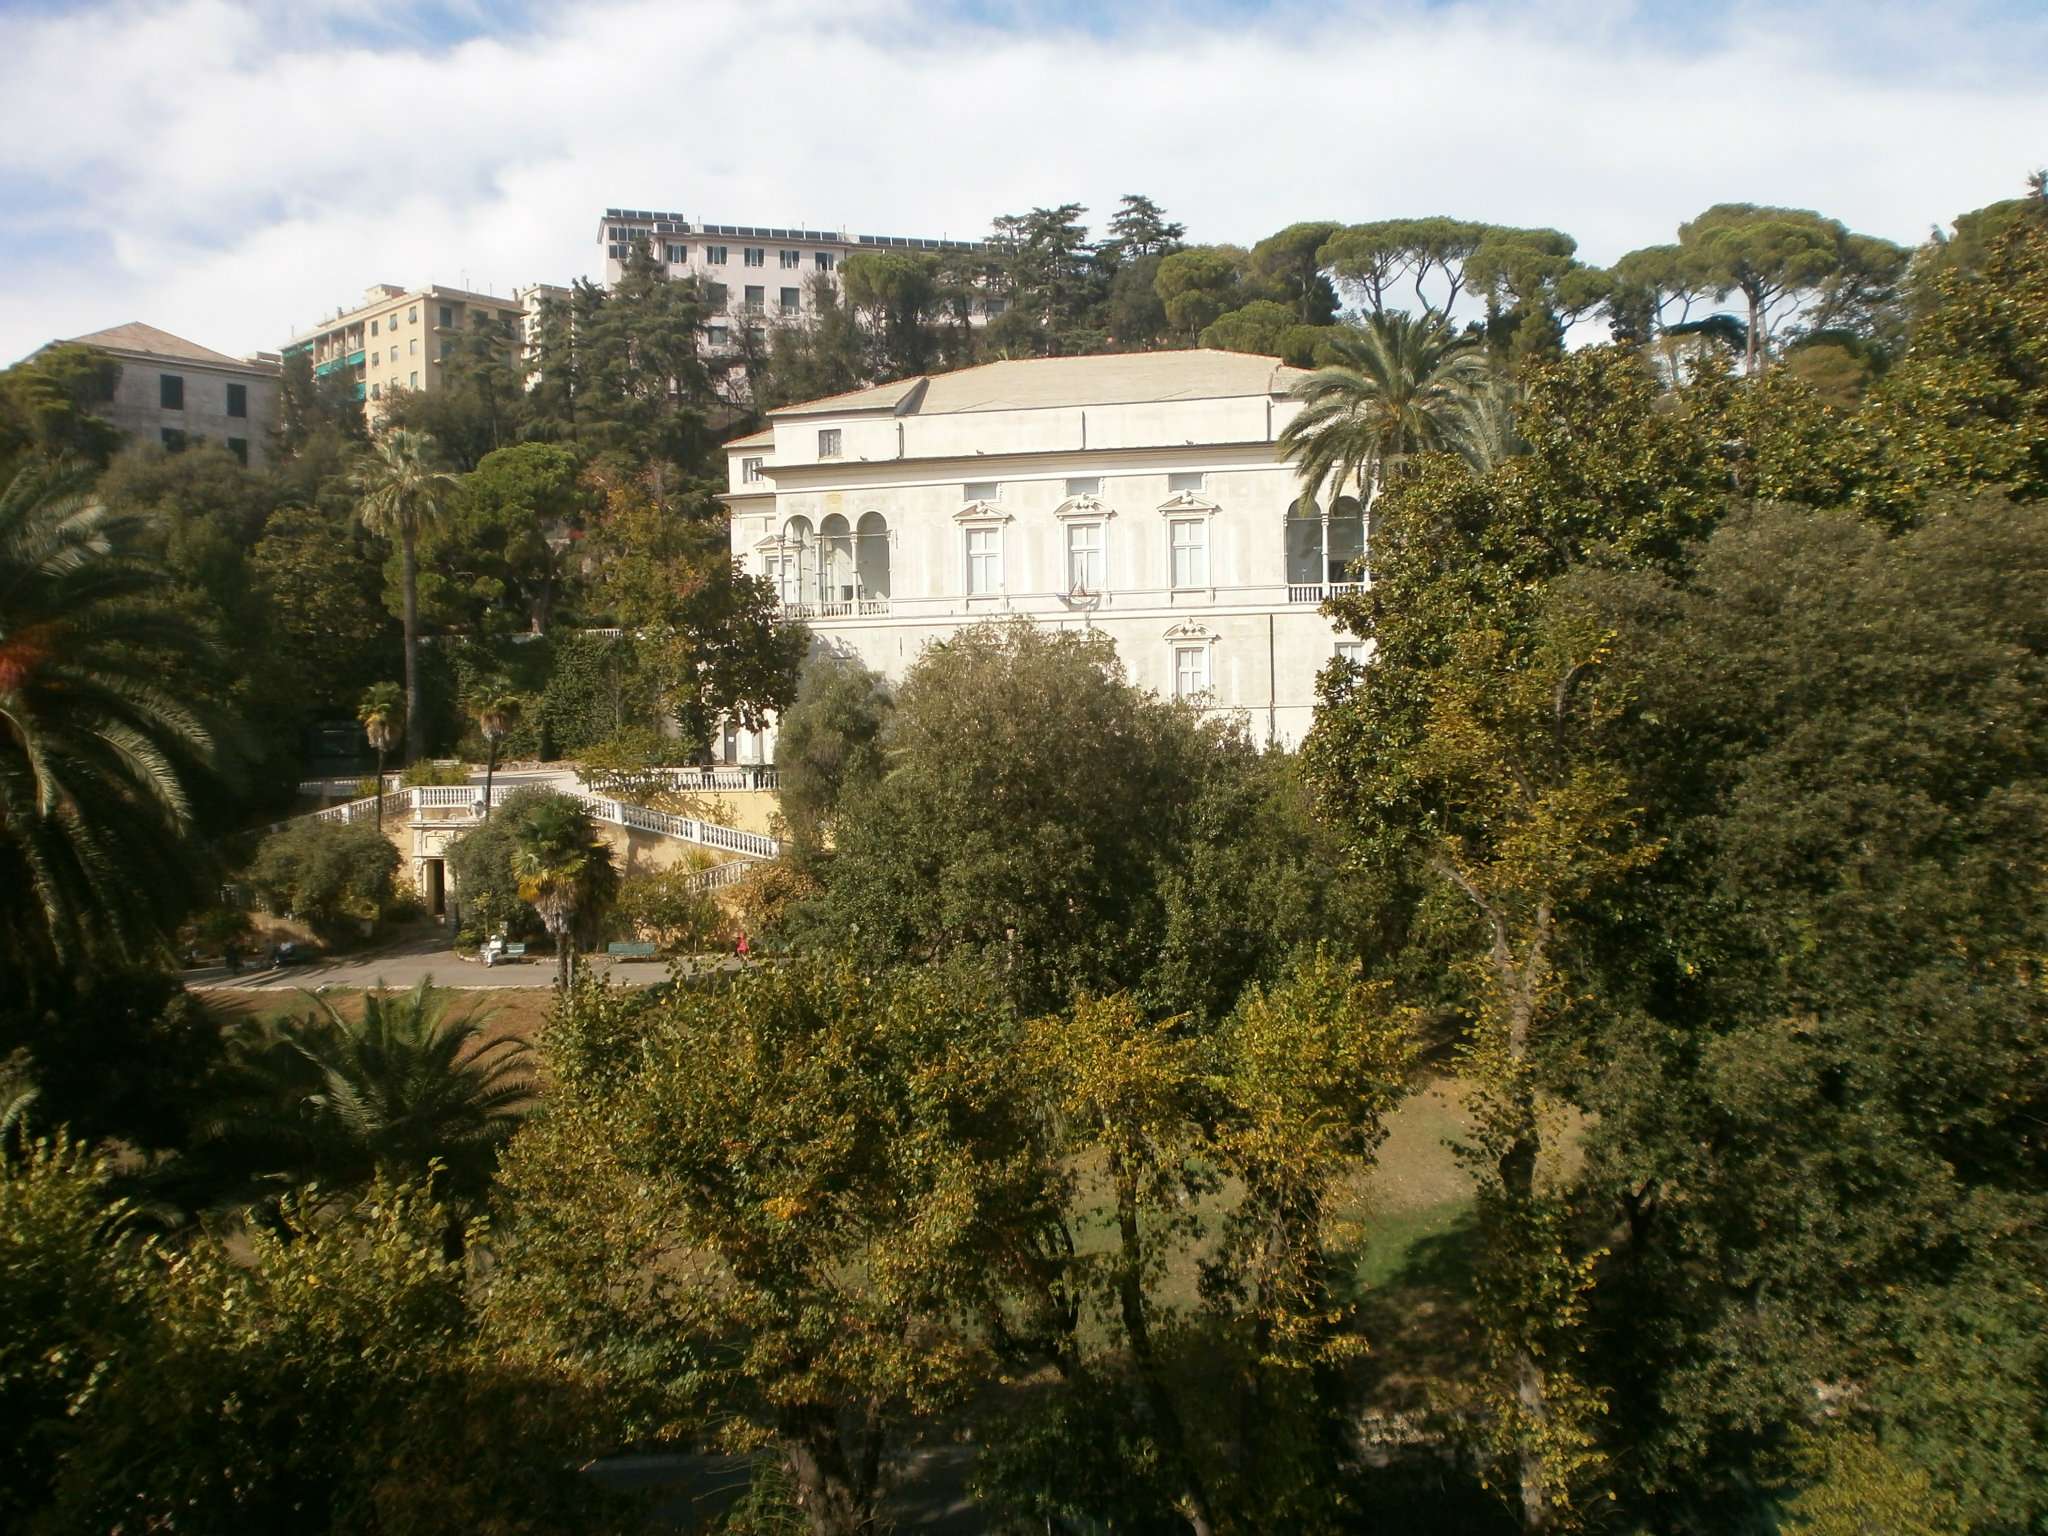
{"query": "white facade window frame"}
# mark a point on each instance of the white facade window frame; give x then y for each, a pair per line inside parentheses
(983, 517)
(1184, 508)
(1084, 511)
(1191, 651)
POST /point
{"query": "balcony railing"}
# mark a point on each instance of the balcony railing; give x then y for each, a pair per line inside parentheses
(1321, 591)
(842, 608)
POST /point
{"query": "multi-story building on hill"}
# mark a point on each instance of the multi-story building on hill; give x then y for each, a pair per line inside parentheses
(173, 392)
(530, 300)
(400, 338)
(754, 276)
(1140, 494)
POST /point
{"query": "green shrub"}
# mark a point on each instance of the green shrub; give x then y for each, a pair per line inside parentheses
(660, 905)
(434, 772)
(486, 889)
(325, 872)
(631, 766)
(597, 687)
(216, 925)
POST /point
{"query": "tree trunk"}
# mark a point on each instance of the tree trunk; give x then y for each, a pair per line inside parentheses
(1752, 356)
(1130, 1289)
(834, 1503)
(380, 791)
(1518, 1183)
(490, 773)
(415, 726)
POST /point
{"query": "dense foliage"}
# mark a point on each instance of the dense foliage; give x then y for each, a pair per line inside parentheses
(1677, 852)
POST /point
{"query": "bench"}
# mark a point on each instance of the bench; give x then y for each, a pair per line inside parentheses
(635, 951)
(512, 951)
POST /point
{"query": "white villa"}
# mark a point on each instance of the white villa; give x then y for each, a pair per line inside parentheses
(1139, 494)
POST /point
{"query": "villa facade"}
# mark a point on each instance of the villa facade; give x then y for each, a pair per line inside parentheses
(1141, 494)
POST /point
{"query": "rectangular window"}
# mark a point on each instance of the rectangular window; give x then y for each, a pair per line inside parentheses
(828, 442)
(1351, 652)
(413, 346)
(1190, 551)
(792, 259)
(792, 301)
(1084, 485)
(824, 261)
(170, 391)
(984, 560)
(754, 256)
(239, 447)
(415, 384)
(750, 471)
(717, 335)
(444, 353)
(373, 327)
(376, 359)
(1190, 671)
(376, 391)
(238, 399)
(996, 306)
(1186, 480)
(714, 295)
(979, 490)
(715, 254)
(447, 314)
(412, 314)
(757, 299)
(678, 254)
(1084, 557)
(174, 440)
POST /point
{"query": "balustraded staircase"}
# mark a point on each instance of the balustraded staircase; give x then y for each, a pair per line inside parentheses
(446, 805)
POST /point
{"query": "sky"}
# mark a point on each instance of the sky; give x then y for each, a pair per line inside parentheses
(233, 171)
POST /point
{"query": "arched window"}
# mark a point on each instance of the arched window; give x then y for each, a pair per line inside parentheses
(797, 575)
(1346, 538)
(1305, 565)
(835, 560)
(871, 555)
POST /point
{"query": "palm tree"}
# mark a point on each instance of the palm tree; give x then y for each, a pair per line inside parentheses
(400, 494)
(98, 761)
(495, 706)
(1485, 434)
(1404, 387)
(327, 1100)
(379, 712)
(565, 872)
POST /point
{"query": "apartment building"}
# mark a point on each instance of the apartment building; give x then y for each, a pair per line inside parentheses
(530, 299)
(174, 392)
(754, 276)
(401, 338)
(1140, 494)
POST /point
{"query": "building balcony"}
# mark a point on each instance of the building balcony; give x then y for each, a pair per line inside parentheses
(1321, 591)
(842, 608)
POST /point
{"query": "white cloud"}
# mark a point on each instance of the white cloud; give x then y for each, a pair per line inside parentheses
(233, 171)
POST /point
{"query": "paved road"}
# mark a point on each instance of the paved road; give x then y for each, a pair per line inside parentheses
(408, 961)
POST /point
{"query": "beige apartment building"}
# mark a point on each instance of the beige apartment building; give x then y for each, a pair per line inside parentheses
(754, 275)
(401, 338)
(173, 392)
(530, 300)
